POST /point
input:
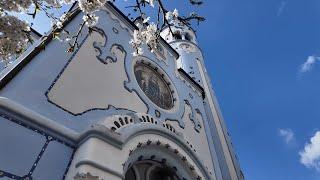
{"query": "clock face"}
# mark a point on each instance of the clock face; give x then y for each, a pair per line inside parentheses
(154, 86)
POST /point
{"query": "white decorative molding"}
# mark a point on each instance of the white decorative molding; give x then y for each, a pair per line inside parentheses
(85, 176)
(187, 47)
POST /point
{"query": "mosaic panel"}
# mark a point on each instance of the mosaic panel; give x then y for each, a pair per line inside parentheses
(29, 153)
(154, 86)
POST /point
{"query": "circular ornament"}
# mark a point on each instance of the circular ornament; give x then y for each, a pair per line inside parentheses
(154, 86)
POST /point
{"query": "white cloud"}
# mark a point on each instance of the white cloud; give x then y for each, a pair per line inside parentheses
(287, 135)
(310, 155)
(281, 7)
(306, 66)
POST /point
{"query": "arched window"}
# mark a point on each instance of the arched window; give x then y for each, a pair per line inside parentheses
(188, 37)
(177, 35)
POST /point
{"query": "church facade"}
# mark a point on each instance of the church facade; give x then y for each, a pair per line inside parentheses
(102, 113)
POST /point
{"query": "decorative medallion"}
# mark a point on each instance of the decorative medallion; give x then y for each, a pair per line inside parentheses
(154, 86)
(155, 89)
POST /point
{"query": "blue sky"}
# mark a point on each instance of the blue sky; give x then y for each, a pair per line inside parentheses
(254, 51)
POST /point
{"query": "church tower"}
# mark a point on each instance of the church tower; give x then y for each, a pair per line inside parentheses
(184, 40)
(102, 113)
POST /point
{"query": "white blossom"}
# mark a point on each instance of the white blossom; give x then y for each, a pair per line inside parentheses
(151, 35)
(62, 36)
(137, 37)
(63, 17)
(171, 16)
(136, 43)
(68, 1)
(145, 35)
(90, 19)
(54, 3)
(90, 6)
(175, 13)
(59, 24)
(138, 51)
(14, 36)
(145, 20)
(151, 2)
(15, 5)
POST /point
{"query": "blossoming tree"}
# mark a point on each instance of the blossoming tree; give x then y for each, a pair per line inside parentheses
(15, 33)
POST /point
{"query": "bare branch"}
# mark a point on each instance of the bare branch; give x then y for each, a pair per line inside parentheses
(191, 17)
(196, 2)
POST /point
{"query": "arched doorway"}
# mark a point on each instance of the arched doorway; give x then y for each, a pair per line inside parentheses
(151, 170)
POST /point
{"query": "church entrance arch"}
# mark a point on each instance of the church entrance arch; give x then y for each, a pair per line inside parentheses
(151, 170)
(154, 162)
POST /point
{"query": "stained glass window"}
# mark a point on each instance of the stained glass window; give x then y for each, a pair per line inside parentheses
(154, 86)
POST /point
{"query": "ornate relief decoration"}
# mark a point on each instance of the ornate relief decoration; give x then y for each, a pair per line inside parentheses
(158, 92)
(151, 170)
(85, 176)
(118, 122)
(110, 54)
(104, 56)
(115, 30)
(155, 89)
(193, 118)
(161, 100)
(116, 19)
(162, 156)
(187, 47)
(160, 53)
(191, 98)
(131, 124)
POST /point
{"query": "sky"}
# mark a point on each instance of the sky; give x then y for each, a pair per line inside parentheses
(263, 57)
(255, 52)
